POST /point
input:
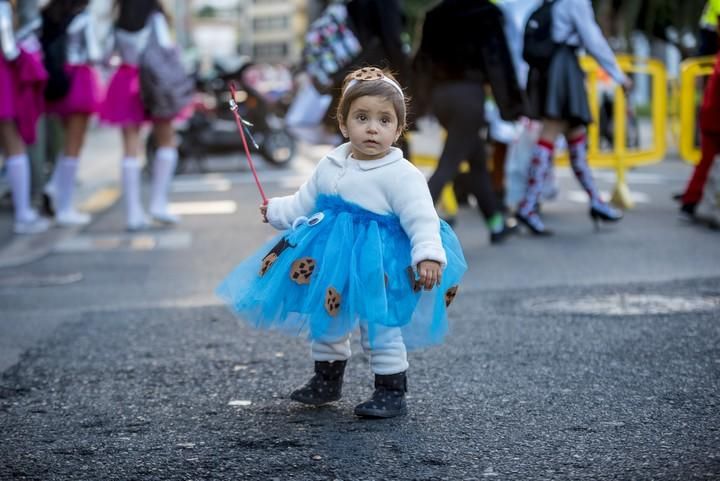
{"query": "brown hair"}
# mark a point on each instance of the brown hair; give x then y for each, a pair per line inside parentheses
(370, 83)
(132, 15)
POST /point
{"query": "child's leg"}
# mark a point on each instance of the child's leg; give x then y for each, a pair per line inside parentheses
(388, 360)
(132, 180)
(326, 385)
(65, 172)
(17, 164)
(331, 351)
(387, 354)
(164, 165)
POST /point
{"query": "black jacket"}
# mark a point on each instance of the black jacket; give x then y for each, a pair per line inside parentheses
(464, 40)
(378, 25)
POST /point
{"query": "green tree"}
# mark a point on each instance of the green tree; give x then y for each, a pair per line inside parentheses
(207, 11)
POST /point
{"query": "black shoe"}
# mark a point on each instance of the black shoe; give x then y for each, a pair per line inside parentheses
(688, 210)
(324, 387)
(603, 212)
(388, 400)
(47, 207)
(498, 237)
(534, 223)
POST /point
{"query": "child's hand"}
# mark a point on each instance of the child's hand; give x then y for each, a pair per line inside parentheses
(430, 273)
(263, 213)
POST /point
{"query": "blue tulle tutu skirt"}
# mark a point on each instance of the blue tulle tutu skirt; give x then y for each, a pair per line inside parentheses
(342, 266)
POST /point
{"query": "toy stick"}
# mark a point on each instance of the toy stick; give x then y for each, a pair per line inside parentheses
(242, 128)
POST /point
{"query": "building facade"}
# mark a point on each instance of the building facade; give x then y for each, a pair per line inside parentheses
(265, 30)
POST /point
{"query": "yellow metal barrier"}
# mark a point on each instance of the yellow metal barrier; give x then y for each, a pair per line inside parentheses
(674, 111)
(620, 158)
(690, 70)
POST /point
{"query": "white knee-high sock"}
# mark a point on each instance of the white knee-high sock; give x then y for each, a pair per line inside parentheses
(131, 190)
(18, 169)
(163, 171)
(65, 183)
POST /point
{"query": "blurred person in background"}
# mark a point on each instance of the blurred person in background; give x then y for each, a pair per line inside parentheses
(708, 44)
(136, 21)
(709, 138)
(45, 149)
(502, 133)
(22, 80)
(71, 49)
(463, 48)
(378, 26)
(558, 97)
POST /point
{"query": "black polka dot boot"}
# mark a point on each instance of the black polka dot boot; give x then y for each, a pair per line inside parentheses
(324, 387)
(388, 400)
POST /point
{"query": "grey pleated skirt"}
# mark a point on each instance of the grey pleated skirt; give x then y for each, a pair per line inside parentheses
(559, 92)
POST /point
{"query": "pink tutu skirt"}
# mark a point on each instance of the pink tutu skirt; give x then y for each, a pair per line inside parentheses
(8, 105)
(123, 103)
(22, 85)
(85, 93)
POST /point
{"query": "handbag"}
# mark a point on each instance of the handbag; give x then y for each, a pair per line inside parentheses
(165, 86)
(517, 165)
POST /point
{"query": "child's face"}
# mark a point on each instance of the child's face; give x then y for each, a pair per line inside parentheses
(371, 126)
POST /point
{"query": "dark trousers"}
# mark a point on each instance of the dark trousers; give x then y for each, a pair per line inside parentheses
(459, 107)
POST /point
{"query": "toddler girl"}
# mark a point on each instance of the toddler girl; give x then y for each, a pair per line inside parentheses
(362, 245)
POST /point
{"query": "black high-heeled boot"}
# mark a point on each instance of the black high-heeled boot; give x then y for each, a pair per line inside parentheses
(603, 212)
(324, 387)
(388, 400)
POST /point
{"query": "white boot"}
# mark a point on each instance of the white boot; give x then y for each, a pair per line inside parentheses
(136, 217)
(65, 213)
(163, 171)
(27, 221)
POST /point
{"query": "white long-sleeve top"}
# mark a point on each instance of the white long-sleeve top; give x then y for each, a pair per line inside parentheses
(82, 44)
(574, 24)
(8, 46)
(390, 185)
(131, 45)
(516, 13)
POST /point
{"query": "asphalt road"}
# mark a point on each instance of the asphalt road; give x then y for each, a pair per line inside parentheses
(585, 356)
(515, 393)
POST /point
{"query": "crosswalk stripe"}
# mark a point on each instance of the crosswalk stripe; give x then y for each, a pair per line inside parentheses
(203, 207)
(147, 241)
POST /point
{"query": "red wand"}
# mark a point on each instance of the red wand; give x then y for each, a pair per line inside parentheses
(242, 126)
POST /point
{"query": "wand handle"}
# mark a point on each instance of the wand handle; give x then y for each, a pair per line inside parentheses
(241, 129)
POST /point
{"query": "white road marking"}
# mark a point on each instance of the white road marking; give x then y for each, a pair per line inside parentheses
(203, 207)
(580, 196)
(169, 240)
(201, 184)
